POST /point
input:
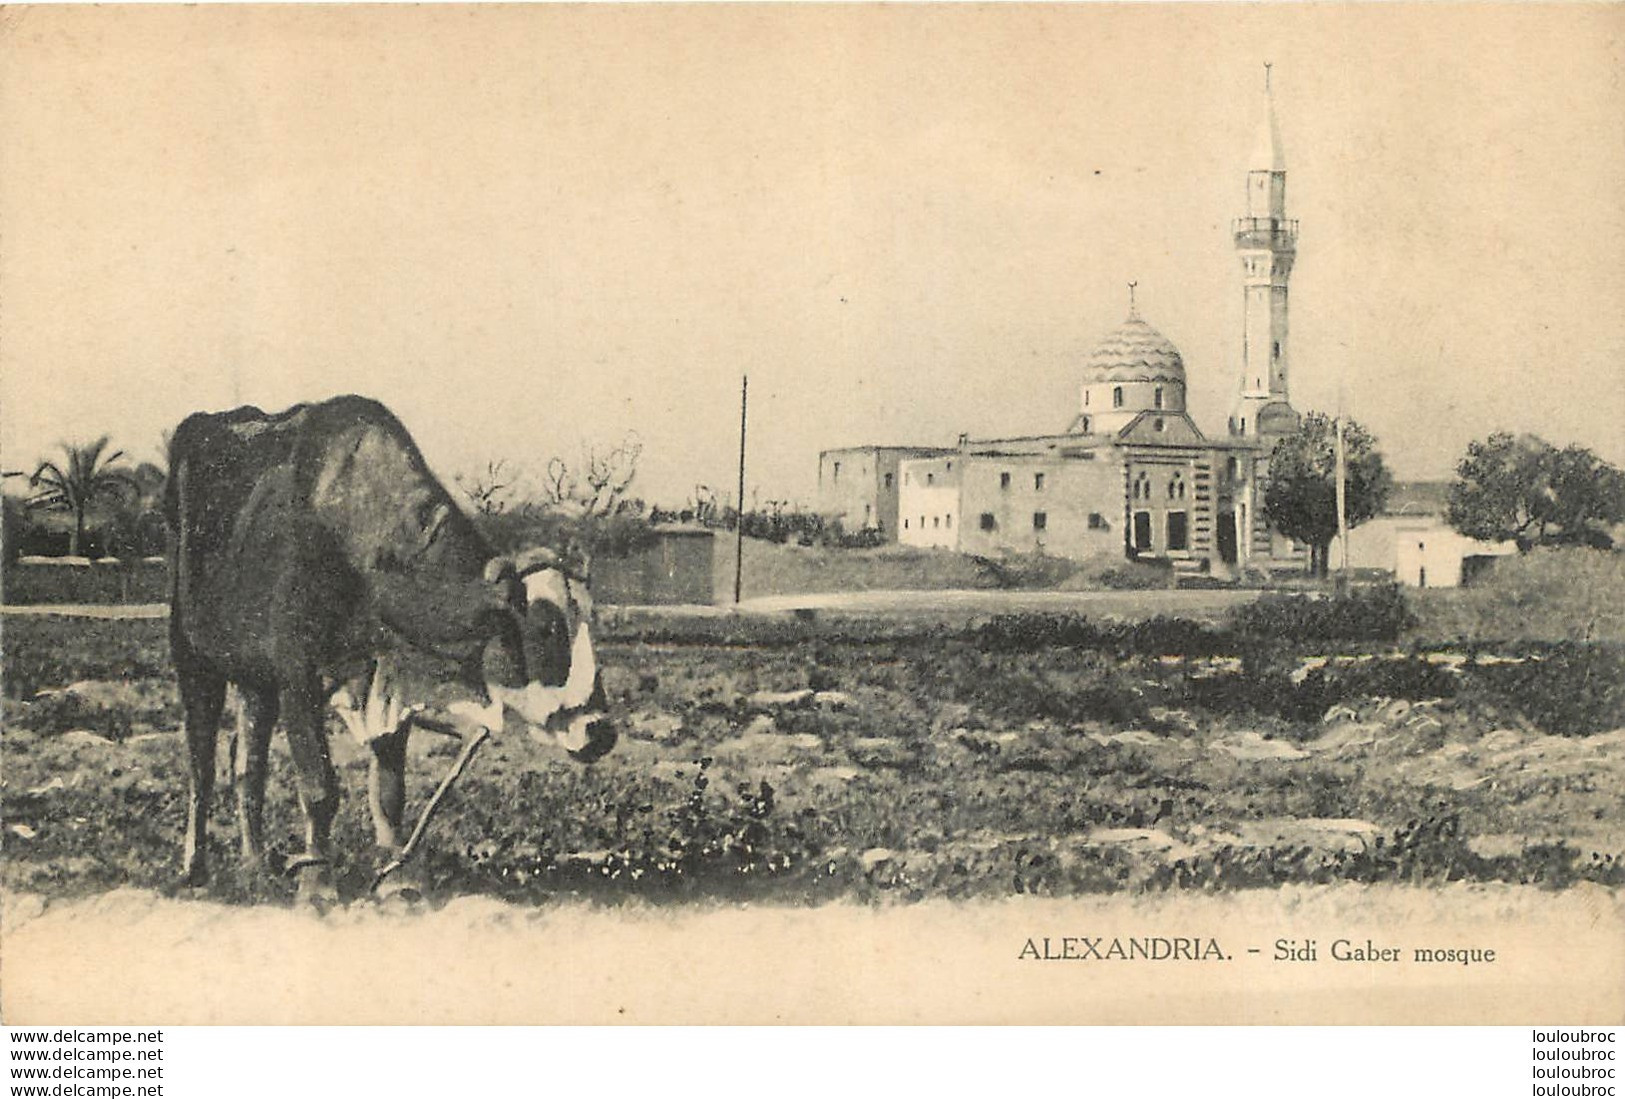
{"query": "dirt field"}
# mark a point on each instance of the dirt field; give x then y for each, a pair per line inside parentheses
(805, 762)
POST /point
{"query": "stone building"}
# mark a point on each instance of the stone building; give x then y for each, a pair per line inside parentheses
(1131, 473)
(859, 485)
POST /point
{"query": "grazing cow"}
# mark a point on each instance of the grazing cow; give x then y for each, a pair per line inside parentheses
(305, 547)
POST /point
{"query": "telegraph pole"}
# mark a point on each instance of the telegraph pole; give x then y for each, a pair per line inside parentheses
(739, 504)
(1342, 507)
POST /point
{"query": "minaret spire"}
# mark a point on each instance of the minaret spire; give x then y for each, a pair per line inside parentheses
(1133, 313)
(1266, 242)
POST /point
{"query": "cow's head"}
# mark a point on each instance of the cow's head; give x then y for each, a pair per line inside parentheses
(540, 666)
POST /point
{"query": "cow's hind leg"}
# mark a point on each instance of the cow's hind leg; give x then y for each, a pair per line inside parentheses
(303, 708)
(259, 713)
(203, 695)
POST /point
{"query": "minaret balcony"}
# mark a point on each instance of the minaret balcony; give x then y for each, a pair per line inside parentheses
(1276, 234)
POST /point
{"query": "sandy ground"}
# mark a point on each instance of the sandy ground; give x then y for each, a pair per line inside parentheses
(132, 957)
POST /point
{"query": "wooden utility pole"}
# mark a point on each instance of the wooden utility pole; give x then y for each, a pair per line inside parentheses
(1342, 507)
(739, 501)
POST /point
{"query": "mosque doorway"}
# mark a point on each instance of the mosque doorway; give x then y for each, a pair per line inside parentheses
(1227, 537)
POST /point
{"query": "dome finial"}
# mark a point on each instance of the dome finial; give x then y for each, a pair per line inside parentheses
(1267, 66)
(1133, 313)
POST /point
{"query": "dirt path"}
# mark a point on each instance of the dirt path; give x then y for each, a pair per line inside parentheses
(91, 610)
(907, 603)
(132, 957)
(1128, 603)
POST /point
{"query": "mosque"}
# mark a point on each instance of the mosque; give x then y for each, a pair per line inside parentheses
(1131, 473)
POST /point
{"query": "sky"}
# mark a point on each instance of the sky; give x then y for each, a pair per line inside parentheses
(533, 230)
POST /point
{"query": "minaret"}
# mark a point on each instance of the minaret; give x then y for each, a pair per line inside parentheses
(1267, 243)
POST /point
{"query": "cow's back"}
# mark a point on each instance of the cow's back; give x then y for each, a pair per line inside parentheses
(278, 520)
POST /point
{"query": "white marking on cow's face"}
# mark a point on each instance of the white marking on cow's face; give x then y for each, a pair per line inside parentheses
(384, 711)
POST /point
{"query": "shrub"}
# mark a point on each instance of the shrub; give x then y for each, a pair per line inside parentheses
(616, 535)
(1158, 636)
(14, 523)
(1366, 614)
(1026, 570)
(1113, 572)
(1138, 576)
(1569, 690)
(1096, 689)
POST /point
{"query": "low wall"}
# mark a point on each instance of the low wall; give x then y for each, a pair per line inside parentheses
(34, 580)
(676, 567)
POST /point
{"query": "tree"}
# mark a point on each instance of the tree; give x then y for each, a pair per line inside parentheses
(598, 483)
(1300, 497)
(1523, 489)
(136, 527)
(86, 476)
(13, 525)
(583, 509)
(488, 492)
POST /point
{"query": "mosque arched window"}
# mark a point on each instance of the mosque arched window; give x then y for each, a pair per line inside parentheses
(1157, 397)
(1117, 396)
(1176, 487)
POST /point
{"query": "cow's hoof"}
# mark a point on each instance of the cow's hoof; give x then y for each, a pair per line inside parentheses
(399, 896)
(262, 879)
(401, 883)
(316, 888)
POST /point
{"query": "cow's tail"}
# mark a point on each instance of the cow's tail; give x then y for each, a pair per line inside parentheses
(189, 440)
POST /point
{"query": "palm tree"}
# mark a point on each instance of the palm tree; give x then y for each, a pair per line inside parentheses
(75, 485)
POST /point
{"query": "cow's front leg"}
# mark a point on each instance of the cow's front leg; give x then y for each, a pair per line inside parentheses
(386, 787)
(303, 710)
(259, 713)
(384, 725)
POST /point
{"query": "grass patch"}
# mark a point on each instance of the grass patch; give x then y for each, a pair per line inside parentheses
(1568, 594)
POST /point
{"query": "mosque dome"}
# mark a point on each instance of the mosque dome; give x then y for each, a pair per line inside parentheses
(1135, 352)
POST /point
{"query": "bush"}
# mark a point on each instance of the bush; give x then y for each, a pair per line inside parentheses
(1368, 614)
(1117, 573)
(1098, 689)
(617, 535)
(107, 581)
(1158, 636)
(1569, 690)
(1138, 576)
(1026, 570)
(13, 524)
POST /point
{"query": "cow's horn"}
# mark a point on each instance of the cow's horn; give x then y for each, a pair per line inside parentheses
(498, 569)
(536, 559)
